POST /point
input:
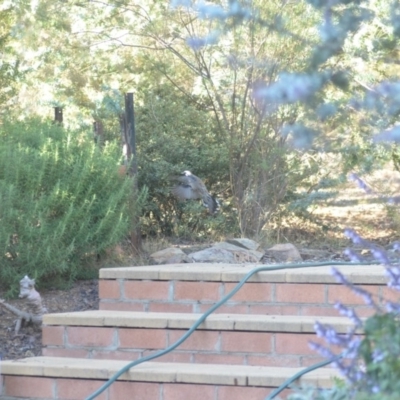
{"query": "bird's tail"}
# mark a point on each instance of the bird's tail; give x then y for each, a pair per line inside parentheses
(211, 203)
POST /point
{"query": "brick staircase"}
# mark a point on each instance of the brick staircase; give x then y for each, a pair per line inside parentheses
(248, 347)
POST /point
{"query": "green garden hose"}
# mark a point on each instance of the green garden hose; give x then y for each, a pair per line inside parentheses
(173, 346)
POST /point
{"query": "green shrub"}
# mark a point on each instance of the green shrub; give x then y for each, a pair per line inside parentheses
(62, 203)
(174, 135)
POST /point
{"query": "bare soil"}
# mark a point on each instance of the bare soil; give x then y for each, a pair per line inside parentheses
(83, 295)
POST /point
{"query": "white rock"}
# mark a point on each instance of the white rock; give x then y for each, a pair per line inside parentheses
(171, 255)
(284, 252)
(213, 254)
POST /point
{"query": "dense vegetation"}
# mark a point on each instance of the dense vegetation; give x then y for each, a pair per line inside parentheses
(270, 102)
(63, 203)
(201, 107)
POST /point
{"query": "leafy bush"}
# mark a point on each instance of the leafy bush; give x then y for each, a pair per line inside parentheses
(173, 135)
(62, 203)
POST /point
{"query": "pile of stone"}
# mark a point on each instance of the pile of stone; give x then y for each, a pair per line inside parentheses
(236, 251)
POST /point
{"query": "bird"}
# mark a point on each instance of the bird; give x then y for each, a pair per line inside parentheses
(191, 187)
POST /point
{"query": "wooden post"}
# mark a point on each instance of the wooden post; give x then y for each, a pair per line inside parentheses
(98, 132)
(58, 115)
(130, 142)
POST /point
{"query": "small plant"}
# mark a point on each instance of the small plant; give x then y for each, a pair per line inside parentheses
(370, 363)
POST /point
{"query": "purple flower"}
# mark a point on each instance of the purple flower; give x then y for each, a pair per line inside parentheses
(353, 256)
(349, 313)
(323, 351)
(396, 245)
(362, 185)
(393, 272)
(380, 255)
(393, 307)
(353, 236)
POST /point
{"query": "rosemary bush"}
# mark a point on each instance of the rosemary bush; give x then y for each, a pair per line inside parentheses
(62, 203)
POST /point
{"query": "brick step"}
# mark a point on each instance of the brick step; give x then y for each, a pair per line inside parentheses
(194, 288)
(243, 339)
(75, 379)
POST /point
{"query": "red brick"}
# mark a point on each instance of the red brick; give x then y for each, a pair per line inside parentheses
(345, 296)
(253, 342)
(241, 393)
(307, 361)
(142, 338)
(128, 306)
(389, 294)
(52, 335)
(58, 352)
(250, 292)
(147, 290)
(116, 355)
(78, 389)
(109, 289)
(300, 293)
(90, 336)
(135, 390)
(29, 387)
(199, 340)
(198, 291)
(177, 391)
(294, 343)
(364, 311)
(323, 310)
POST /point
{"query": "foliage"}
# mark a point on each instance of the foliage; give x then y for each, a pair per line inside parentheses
(62, 203)
(305, 82)
(370, 364)
(9, 64)
(150, 48)
(167, 146)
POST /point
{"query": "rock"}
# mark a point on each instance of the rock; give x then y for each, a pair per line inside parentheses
(313, 254)
(213, 254)
(245, 243)
(171, 255)
(283, 252)
(226, 253)
(252, 255)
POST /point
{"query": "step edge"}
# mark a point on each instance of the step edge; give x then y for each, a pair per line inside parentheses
(238, 375)
(159, 320)
(358, 274)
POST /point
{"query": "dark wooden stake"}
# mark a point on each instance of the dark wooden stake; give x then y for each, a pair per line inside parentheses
(58, 115)
(130, 142)
(98, 132)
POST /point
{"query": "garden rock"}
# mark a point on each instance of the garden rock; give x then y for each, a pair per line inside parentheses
(171, 255)
(213, 254)
(245, 243)
(253, 255)
(283, 252)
